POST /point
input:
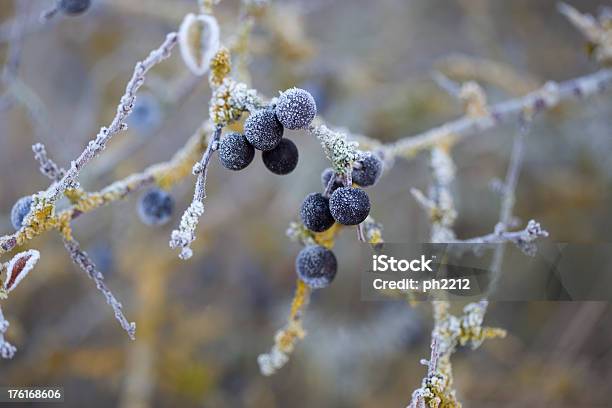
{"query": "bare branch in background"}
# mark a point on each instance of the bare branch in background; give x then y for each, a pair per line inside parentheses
(80, 258)
(47, 166)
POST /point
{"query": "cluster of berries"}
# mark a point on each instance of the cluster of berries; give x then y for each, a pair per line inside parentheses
(346, 205)
(263, 130)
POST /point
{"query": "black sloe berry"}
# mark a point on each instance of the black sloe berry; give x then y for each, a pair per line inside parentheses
(235, 152)
(327, 174)
(349, 205)
(263, 130)
(296, 108)
(315, 213)
(316, 266)
(369, 169)
(282, 159)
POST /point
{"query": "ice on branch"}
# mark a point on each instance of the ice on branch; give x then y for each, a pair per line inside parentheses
(597, 30)
(47, 166)
(182, 237)
(450, 331)
(82, 259)
(285, 339)
(340, 151)
(230, 100)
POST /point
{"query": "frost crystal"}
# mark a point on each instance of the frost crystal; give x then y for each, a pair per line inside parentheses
(185, 235)
(340, 151)
(230, 100)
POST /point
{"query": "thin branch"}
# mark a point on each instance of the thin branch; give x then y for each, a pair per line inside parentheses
(446, 84)
(185, 234)
(533, 229)
(124, 109)
(47, 166)
(545, 98)
(83, 260)
(523, 239)
(165, 174)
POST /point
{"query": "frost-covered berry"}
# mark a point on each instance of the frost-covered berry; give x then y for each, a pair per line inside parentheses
(282, 159)
(263, 130)
(20, 210)
(349, 205)
(235, 152)
(295, 108)
(74, 7)
(315, 213)
(316, 266)
(327, 174)
(155, 207)
(368, 169)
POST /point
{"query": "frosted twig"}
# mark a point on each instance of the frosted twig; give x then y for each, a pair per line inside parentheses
(47, 166)
(340, 151)
(124, 109)
(80, 258)
(447, 85)
(286, 338)
(545, 98)
(523, 239)
(533, 229)
(596, 30)
(185, 234)
(442, 212)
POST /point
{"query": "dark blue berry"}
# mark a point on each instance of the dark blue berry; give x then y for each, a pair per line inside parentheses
(295, 108)
(155, 207)
(327, 174)
(368, 169)
(349, 205)
(315, 213)
(263, 130)
(74, 7)
(282, 159)
(235, 152)
(20, 210)
(316, 266)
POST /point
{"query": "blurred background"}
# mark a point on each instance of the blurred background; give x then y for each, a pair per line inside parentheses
(202, 323)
